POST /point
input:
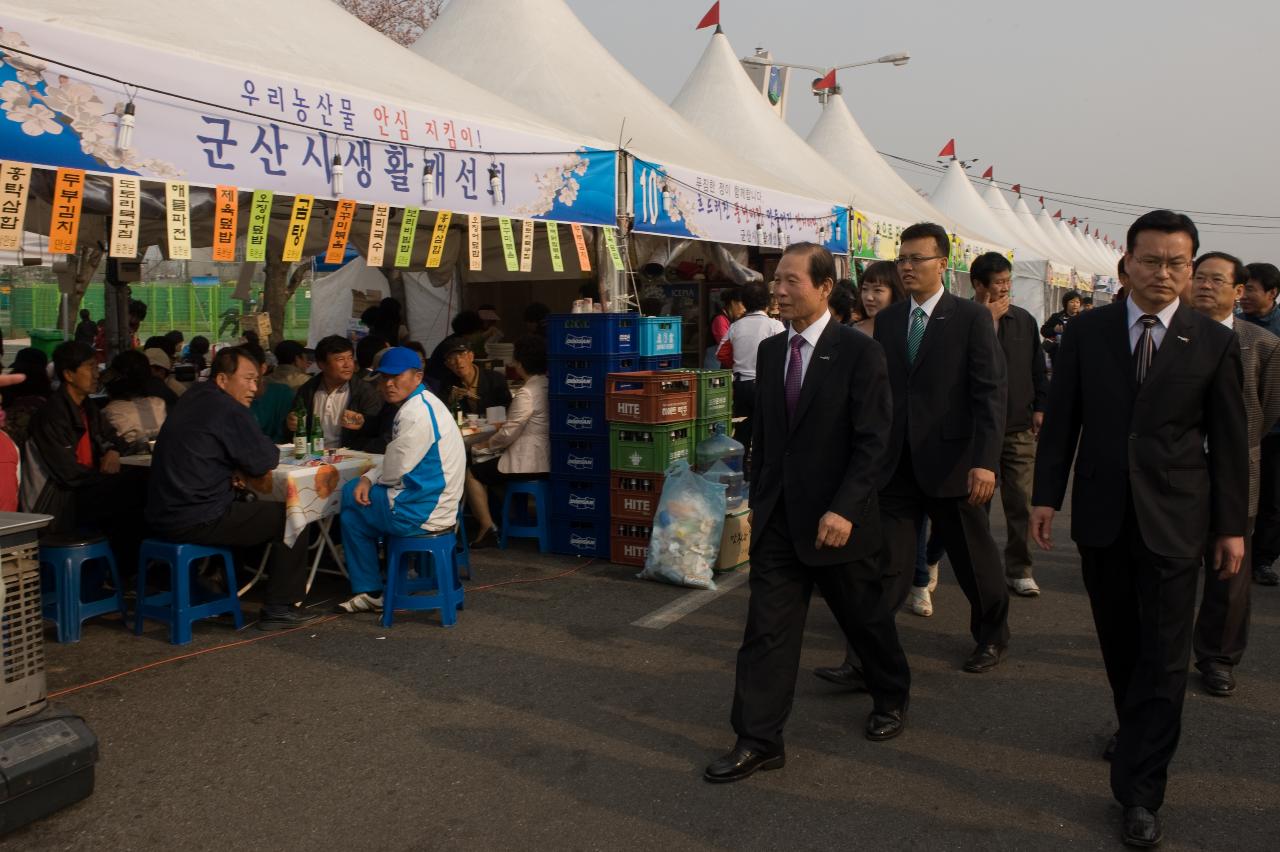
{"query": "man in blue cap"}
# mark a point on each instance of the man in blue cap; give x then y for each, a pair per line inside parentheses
(415, 490)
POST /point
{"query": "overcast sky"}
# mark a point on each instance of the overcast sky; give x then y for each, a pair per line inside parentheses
(1154, 102)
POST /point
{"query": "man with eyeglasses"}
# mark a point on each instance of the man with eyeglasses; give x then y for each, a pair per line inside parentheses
(1222, 627)
(1151, 391)
(947, 373)
(1258, 307)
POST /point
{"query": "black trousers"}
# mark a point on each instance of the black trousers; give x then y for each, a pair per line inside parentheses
(1266, 533)
(247, 525)
(744, 405)
(770, 655)
(1222, 625)
(1142, 606)
(113, 506)
(965, 532)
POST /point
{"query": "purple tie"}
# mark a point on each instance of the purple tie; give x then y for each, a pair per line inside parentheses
(795, 377)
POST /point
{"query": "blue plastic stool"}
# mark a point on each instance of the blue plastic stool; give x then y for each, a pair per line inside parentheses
(437, 573)
(63, 562)
(539, 490)
(177, 607)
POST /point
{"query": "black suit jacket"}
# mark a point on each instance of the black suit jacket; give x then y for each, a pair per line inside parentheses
(1147, 442)
(827, 457)
(950, 404)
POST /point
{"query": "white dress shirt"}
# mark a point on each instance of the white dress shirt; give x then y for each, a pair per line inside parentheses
(744, 336)
(1229, 322)
(1135, 313)
(810, 336)
(929, 305)
(329, 408)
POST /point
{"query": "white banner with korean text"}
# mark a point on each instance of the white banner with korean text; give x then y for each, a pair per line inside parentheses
(278, 134)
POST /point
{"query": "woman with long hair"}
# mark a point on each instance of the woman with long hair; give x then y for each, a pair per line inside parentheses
(133, 412)
(881, 286)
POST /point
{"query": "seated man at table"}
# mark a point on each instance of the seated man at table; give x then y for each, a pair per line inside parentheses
(417, 487)
(471, 388)
(71, 462)
(348, 410)
(272, 401)
(209, 447)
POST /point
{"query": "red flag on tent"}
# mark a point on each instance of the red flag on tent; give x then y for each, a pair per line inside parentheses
(1095, 233)
(948, 150)
(1057, 215)
(1017, 187)
(712, 18)
(1073, 221)
(990, 173)
(827, 82)
(1042, 201)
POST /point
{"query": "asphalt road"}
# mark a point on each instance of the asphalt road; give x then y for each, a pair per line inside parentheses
(547, 719)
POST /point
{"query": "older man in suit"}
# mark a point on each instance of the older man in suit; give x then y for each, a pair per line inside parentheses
(1222, 627)
(949, 384)
(1151, 392)
(821, 422)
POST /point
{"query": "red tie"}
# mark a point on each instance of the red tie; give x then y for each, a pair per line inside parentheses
(795, 379)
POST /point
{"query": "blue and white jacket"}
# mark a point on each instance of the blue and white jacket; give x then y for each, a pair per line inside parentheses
(425, 465)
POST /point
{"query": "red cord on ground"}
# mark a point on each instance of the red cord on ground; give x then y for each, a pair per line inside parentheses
(241, 642)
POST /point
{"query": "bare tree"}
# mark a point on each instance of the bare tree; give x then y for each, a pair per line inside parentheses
(402, 20)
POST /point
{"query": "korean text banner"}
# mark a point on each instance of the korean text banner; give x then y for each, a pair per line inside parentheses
(676, 202)
(58, 117)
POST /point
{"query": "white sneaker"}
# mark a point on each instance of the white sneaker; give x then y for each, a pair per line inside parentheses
(1025, 586)
(363, 602)
(920, 603)
(933, 577)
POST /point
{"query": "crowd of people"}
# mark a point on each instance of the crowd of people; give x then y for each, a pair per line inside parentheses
(1163, 407)
(212, 426)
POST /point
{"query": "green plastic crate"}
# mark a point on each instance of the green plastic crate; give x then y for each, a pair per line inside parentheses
(715, 394)
(704, 429)
(46, 339)
(634, 448)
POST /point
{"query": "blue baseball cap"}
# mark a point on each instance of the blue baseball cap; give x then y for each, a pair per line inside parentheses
(394, 361)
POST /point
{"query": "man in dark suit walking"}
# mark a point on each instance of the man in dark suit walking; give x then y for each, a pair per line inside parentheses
(1222, 626)
(1145, 387)
(947, 372)
(821, 422)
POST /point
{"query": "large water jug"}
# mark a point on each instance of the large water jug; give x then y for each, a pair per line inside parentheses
(720, 460)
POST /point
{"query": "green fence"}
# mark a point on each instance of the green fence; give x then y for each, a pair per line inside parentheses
(189, 308)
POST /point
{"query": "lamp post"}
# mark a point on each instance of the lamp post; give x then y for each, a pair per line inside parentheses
(824, 93)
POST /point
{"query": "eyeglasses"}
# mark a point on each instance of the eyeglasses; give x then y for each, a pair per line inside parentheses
(917, 259)
(1155, 264)
(1215, 280)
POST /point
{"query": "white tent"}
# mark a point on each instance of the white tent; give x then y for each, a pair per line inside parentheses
(956, 197)
(538, 53)
(1048, 226)
(877, 187)
(1031, 238)
(719, 98)
(1084, 263)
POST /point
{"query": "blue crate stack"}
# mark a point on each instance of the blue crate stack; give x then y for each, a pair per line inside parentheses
(583, 350)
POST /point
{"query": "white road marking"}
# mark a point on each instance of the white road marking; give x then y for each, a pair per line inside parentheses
(669, 614)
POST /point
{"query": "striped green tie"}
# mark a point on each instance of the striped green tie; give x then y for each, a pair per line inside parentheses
(915, 334)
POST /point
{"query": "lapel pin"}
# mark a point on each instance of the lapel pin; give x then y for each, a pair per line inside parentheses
(1184, 339)
(824, 357)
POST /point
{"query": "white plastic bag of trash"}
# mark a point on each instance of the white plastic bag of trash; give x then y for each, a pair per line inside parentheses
(685, 542)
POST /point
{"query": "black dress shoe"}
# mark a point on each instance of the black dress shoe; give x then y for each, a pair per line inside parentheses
(1218, 680)
(846, 674)
(886, 725)
(985, 658)
(284, 617)
(1109, 751)
(1141, 828)
(1266, 575)
(741, 763)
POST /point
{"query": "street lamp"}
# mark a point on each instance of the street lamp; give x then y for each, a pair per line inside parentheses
(825, 92)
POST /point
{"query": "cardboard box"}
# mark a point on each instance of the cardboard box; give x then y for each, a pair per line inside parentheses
(259, 322)
(735, 542)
